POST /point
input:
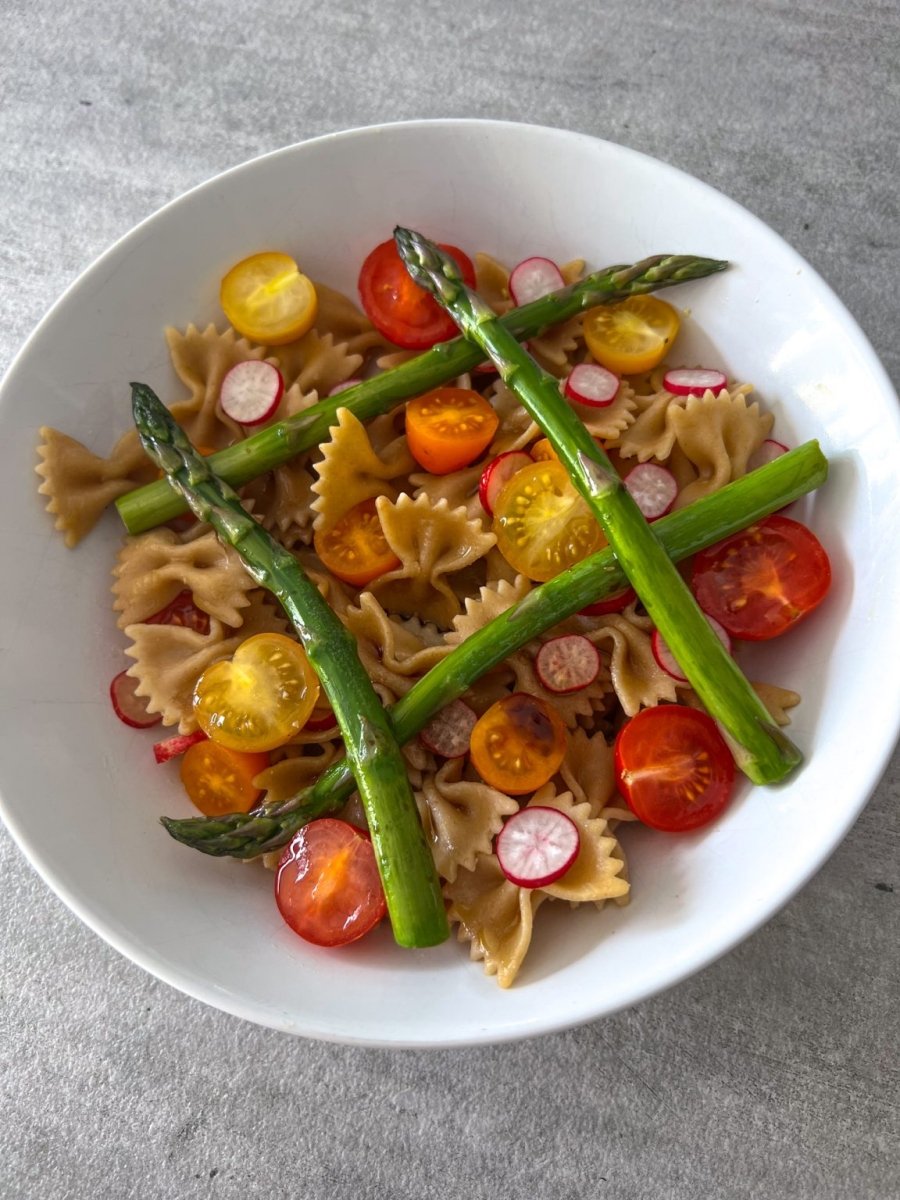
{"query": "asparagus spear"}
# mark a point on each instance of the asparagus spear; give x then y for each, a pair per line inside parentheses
(158, 502)
(411, 886)
(734, 507)
(760, 749)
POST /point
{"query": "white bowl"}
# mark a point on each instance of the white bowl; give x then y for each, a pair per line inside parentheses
(81, 793)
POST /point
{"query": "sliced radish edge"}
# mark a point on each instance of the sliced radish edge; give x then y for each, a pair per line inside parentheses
(766, 453)
(251, 392)
(533, 278)
(666, 660)
(612, 604)
(536, 846)
(567, 663)
(592, 385)
(694, 381)
(449, 731)
(653, 489)
(342, 387)
(130, 708)
(497, 473)
(172, 747)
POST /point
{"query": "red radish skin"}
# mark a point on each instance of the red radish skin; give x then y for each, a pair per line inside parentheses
(666, 659)
(533, 278)
(592, 385)
(130, 708)
(537, 846)
(567, 663)
(767, 452)
(342, 387)
(174, 747)
(449, 731)
(498, 472)
(652, 488)
(251, 392)
(696, 381)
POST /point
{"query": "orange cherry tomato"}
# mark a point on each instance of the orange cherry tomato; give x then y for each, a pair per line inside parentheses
(518, 744)
(542, 524)
(449, 428)
(398, 308)
(268, 300)
(327, 885)
(543, 451)
(260, 697)
(219, 780)
(355, 548)
(632, 336)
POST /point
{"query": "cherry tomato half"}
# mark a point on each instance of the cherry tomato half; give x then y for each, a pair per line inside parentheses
(632, 336)
(267, 299)
(542, 524)
(182, 611)
(260, 697)
(327, 886)
(762, 581)
(219, 780)
(399, 309)
(448, 428)
(673, 767)
(518, 744)
(355, 549)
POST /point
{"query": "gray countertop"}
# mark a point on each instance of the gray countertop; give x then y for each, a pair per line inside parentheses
(772, 1073)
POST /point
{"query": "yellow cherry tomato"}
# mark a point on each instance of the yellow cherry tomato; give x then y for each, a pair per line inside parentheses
(542, 524)
(219, 780)
(543, 451)
(260, 697)
(632, 336)
(518, 744)
(268, 300)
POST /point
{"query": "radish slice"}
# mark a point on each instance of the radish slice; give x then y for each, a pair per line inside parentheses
(174, 746)
(653, 489)
(666, 659)
(130, 708)
(449, 732)
(767, 452)
(612, 604)
(536, 846)
(693, 382)
(567, 663)
(591, 384)
(533, 278)
(498, 472)
(322, 717)
(251, 392)
(342, 387)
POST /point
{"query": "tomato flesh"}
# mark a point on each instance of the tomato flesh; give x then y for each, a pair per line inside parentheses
(327, 886)
(448, 428)
(518, 744)
(184, 612)
(632, 336)
(542, 524)
(218, 780)
(355, 549)
(267, 299)
(260, 697)
(399, 309)
(760, 582)
(673, 768)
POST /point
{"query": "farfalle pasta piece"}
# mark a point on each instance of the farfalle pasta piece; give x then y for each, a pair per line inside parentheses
(717, 434)
(201, 360)
(152, 568)
(432, 542)
(636, 677)
(493, 599)
(495, 916)
(350, 471)
(315, 362)
(461, 817)
(459, 489)
(169, 659)
(516, 429)
(570, 705)
(295, 770)
(338, 316)
(588, 770)
(596, 873)
(778, 700)
(79, 484)
(608, 422)
(398, 648)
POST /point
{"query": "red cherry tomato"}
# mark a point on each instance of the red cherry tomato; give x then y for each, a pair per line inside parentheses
(673, 767)
(182, 611)
(327, 885)
(399, 309)
(760, 582)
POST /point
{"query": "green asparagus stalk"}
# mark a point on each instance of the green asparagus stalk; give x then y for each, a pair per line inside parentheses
(410, 881)
(760, 750)
(734, 507)
(158, 502)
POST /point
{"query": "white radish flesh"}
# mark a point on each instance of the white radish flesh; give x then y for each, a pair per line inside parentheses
(767, 452)
(533, 278)
(567, 663)
(593, 385)
(129, 707)
(251, 392)
(342, 387)
(537, 846)
(652, 488)
(666, 659)
(497, 473)
(449, 731)
(686, 381)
